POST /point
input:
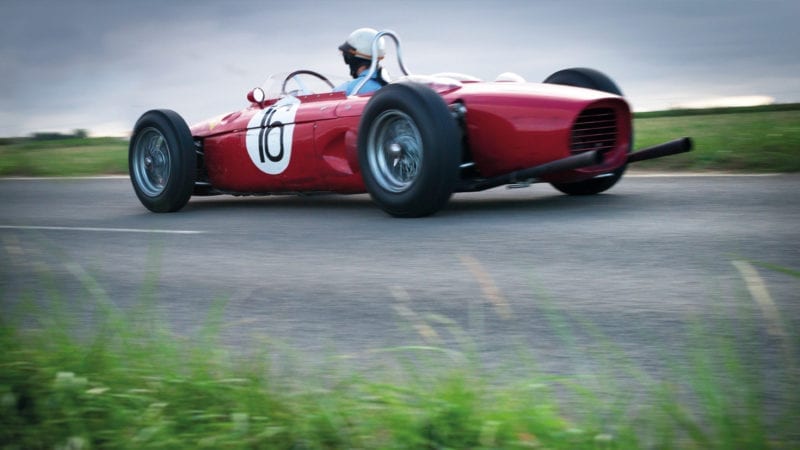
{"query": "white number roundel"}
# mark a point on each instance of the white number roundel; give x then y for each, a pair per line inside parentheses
(269, 136)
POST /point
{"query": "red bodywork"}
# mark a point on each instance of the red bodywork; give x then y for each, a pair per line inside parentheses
(508, 127)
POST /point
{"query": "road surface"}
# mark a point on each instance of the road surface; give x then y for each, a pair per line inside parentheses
(517, 277)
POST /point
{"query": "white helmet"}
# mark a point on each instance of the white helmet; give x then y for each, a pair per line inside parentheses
(359, 44)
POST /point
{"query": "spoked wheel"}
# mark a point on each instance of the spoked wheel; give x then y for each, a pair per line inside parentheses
(591, 79)
(394, 151)
(409, 150)
(162, 161)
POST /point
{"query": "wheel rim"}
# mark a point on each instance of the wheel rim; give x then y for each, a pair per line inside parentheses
(394, 151)
(151, 162)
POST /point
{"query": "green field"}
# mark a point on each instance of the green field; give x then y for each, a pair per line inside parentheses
(758, 139)
(64, 157)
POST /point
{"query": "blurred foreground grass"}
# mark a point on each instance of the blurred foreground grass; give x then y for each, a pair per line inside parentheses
(128, 382)
(759, 139)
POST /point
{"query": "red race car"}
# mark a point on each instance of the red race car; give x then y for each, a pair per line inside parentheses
(410, 144)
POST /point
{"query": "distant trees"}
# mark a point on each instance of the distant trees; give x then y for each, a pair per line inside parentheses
(79, 133)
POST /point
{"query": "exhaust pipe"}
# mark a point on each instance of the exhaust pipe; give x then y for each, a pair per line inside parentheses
(581, 160)
(585, 159)
(681, 145)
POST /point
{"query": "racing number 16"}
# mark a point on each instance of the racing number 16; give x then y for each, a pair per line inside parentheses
(267, 126)
(269, 136)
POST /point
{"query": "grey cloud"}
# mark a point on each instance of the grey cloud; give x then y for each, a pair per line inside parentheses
(80, 63)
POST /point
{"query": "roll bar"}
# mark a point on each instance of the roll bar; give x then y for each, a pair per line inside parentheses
(373, 67)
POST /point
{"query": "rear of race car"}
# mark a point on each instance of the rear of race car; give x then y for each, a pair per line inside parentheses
(512, 127)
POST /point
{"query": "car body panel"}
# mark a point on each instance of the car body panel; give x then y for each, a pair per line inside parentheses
(512, 126)
(508, 127)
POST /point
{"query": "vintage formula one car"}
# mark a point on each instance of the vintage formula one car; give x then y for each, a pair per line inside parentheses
(411, 144)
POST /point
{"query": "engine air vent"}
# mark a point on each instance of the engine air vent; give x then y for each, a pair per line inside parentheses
(594, 129)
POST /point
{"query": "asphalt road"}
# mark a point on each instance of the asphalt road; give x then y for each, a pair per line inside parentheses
(518, 277)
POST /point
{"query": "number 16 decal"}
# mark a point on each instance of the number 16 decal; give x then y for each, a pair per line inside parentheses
(269, 136)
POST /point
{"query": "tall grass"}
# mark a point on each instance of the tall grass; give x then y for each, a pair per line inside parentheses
(129, 382)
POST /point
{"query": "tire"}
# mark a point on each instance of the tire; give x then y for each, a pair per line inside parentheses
(591, 79)
(162, 161)
(409, 150)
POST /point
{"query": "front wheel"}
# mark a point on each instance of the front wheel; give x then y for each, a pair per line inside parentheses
(409, 150)
(162, 161)
(590, 79)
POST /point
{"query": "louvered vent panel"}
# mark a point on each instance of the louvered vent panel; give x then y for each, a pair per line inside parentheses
(594, 129)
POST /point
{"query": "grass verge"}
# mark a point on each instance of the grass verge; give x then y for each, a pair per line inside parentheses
(763, 139)
(131, 383)
(64, 157)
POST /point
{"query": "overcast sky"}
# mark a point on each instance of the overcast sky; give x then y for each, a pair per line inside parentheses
(98, 65)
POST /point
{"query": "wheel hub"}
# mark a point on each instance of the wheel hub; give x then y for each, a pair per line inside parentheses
(151, 162)
(394, 151)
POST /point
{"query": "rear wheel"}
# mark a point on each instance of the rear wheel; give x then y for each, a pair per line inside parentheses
(409, 150)
(591, 79)
(162, 161)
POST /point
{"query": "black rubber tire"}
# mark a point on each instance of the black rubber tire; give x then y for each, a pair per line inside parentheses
(591, 79)
(432, 139)
(168, 187)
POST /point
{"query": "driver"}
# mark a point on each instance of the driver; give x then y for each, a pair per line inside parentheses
(357, 53)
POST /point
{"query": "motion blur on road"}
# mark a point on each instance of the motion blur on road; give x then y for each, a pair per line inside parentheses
(566, 283)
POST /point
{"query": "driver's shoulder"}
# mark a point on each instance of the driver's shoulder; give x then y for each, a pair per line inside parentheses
(370, 85)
